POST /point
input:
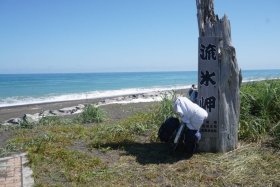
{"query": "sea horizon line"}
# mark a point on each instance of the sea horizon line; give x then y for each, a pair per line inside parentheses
(116, 72)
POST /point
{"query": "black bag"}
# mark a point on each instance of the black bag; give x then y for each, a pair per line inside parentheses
(168, 129)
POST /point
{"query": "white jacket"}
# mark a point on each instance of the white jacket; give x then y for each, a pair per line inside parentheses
(191, 114)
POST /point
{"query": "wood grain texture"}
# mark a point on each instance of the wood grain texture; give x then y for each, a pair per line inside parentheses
(229, 82)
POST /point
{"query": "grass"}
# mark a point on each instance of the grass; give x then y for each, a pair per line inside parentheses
(127, 152)
(260, 111)
(141, 124)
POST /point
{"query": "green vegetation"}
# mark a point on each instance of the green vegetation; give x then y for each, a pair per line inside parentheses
(127, 130)
(91, 114)
(260, 111)
(127, 153)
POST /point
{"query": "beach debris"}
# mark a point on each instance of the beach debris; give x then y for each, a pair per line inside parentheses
(68, 110)
(101, 102)
(32, 118)
(56, 113)
(80, 106)
(5, 124)
(119, 98)
(14, 121)
(72, 110)
(46, 113)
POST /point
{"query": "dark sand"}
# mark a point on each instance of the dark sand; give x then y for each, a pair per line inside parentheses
(19, 111)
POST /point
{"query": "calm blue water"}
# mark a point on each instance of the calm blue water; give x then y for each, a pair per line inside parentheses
(18, 89)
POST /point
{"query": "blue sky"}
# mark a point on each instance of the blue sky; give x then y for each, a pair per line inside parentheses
(50, 36)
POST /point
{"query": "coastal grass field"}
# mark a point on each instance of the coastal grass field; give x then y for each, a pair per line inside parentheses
(95, 150)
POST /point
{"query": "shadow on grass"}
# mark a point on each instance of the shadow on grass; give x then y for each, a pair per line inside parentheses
(150, 153)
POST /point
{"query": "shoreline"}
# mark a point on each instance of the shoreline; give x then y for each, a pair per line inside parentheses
(9, 115)
(26, 100)
(19, 111)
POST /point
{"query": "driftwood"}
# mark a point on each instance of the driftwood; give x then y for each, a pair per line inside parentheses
(228, 83)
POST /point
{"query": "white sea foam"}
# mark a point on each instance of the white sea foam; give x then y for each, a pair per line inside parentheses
(259, 79)
(16, 101)
(138, 100)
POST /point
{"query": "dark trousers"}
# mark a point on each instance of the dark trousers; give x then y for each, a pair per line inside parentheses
(190, 140)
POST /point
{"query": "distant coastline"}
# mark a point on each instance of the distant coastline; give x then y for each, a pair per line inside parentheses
(18, 90)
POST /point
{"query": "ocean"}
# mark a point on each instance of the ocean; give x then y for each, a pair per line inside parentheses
(20, 89)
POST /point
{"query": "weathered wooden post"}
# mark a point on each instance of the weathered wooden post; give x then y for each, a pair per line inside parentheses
(219, 79)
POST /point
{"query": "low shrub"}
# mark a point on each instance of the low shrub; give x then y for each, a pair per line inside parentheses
(91, 114)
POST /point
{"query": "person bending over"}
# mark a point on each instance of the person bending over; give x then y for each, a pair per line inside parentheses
(192, 117)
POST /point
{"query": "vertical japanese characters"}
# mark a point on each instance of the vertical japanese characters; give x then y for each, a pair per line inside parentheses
(208, 79)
